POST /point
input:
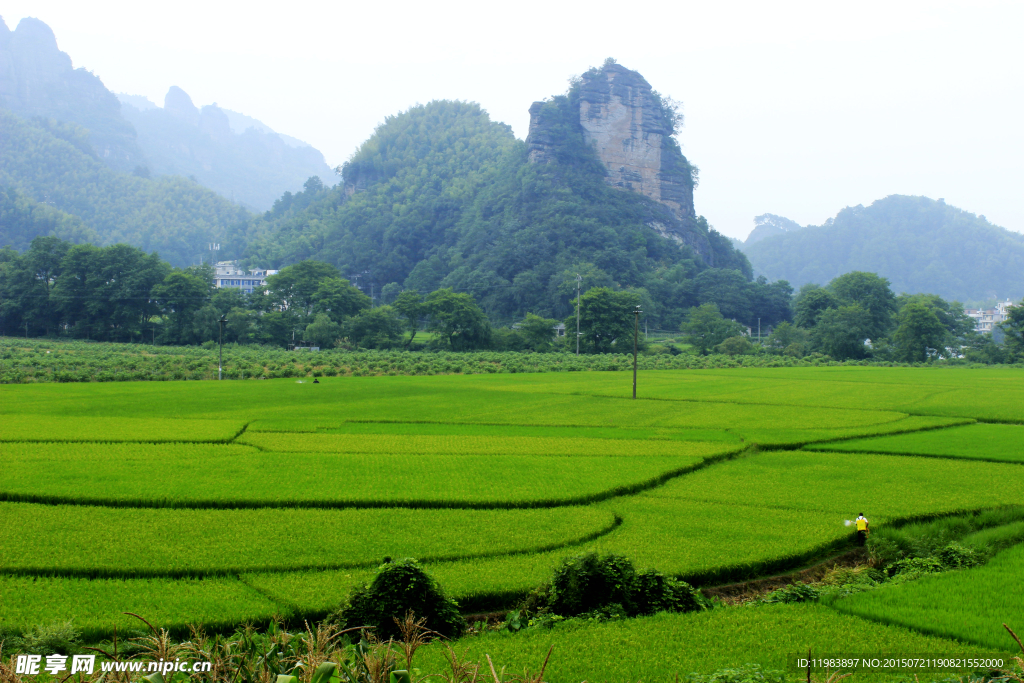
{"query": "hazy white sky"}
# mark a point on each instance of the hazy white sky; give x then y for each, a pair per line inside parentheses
(793, 108)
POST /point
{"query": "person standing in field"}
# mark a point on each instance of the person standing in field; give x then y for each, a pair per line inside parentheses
(862, 529)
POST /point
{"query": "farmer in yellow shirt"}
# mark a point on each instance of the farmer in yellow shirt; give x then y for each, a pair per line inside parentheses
(862, 529)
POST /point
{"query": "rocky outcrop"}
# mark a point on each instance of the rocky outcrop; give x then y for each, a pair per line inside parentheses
(624, 121)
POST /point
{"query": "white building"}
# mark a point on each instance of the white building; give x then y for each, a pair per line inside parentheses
(985, 319)
(228, 274)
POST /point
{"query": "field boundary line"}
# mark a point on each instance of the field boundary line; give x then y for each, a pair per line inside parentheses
(917, 455)
(242, 504)
(290, 608)
(218, 442)
(966, 421)
(108, 573)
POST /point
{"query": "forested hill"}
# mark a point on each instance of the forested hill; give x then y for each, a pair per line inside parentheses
(235, 155)
(22, 219)
(919, 244)
(37, 79)
(54, 164)
(441, 196)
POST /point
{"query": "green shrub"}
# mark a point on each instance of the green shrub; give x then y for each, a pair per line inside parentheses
(797, 592)
(585, 583)
(59, 637)
(956, 556)
(595, 586)
(910, 567)
(748, 673)
(399, 587)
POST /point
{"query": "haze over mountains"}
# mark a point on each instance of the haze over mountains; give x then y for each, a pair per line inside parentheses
(442, 196)
(919, 244)
(246, 162)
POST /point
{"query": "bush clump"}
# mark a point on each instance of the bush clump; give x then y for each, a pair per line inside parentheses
(400, 587)
(603, 587)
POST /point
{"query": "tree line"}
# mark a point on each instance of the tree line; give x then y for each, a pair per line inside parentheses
(121, 294)
(858, 316)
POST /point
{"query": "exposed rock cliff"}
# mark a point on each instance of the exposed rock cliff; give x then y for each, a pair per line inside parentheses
(630, 129)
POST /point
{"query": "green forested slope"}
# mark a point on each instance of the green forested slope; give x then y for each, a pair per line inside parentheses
(919, 244)
(53, 163)
(22, 220)
(441, 196)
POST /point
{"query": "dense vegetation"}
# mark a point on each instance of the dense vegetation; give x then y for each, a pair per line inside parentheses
(440, 196)
(54, 163)
(918, 244)
(23, 219)
(857, 315)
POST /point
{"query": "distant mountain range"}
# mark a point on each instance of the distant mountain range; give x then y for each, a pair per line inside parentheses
(921, 245)
(239, 157)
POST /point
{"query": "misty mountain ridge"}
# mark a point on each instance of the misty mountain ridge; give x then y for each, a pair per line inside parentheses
(921, 245)
(770, 225)
(239, 122)
(231, 153)
(237, 155)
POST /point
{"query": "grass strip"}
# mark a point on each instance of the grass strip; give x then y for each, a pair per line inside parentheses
(190, 543)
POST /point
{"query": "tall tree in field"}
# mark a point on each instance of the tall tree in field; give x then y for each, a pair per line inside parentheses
(811, 302)
(456, 319)
(871, 293)
(538, 332)
(409, 305)
(1013, 328)
(919, 332)
(339, 299)
(606, 320)
(841, 332)
(180, 295)
(295, 286)
(705, 328)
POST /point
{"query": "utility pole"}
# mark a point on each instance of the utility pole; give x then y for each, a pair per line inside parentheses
(636, 336)
(578, 281)
(758, 330)
(220, 367)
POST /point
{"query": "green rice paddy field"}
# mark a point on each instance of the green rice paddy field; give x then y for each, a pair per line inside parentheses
(222, 502)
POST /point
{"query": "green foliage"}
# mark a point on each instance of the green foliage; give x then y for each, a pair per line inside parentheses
(170, 214)
(538, 333)
(22, 220)
(841, 332)
(457, 320)
(375, 328)
(787, 339)
(399, 587)
(706, 328)
(591, 583)
(58, 636)
(735, 346)
(606, 320)
(811, 303)
(872, 294)
(441, 196)
(918, 244)
(323, 331)
(1013, 328)
(750, 673)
